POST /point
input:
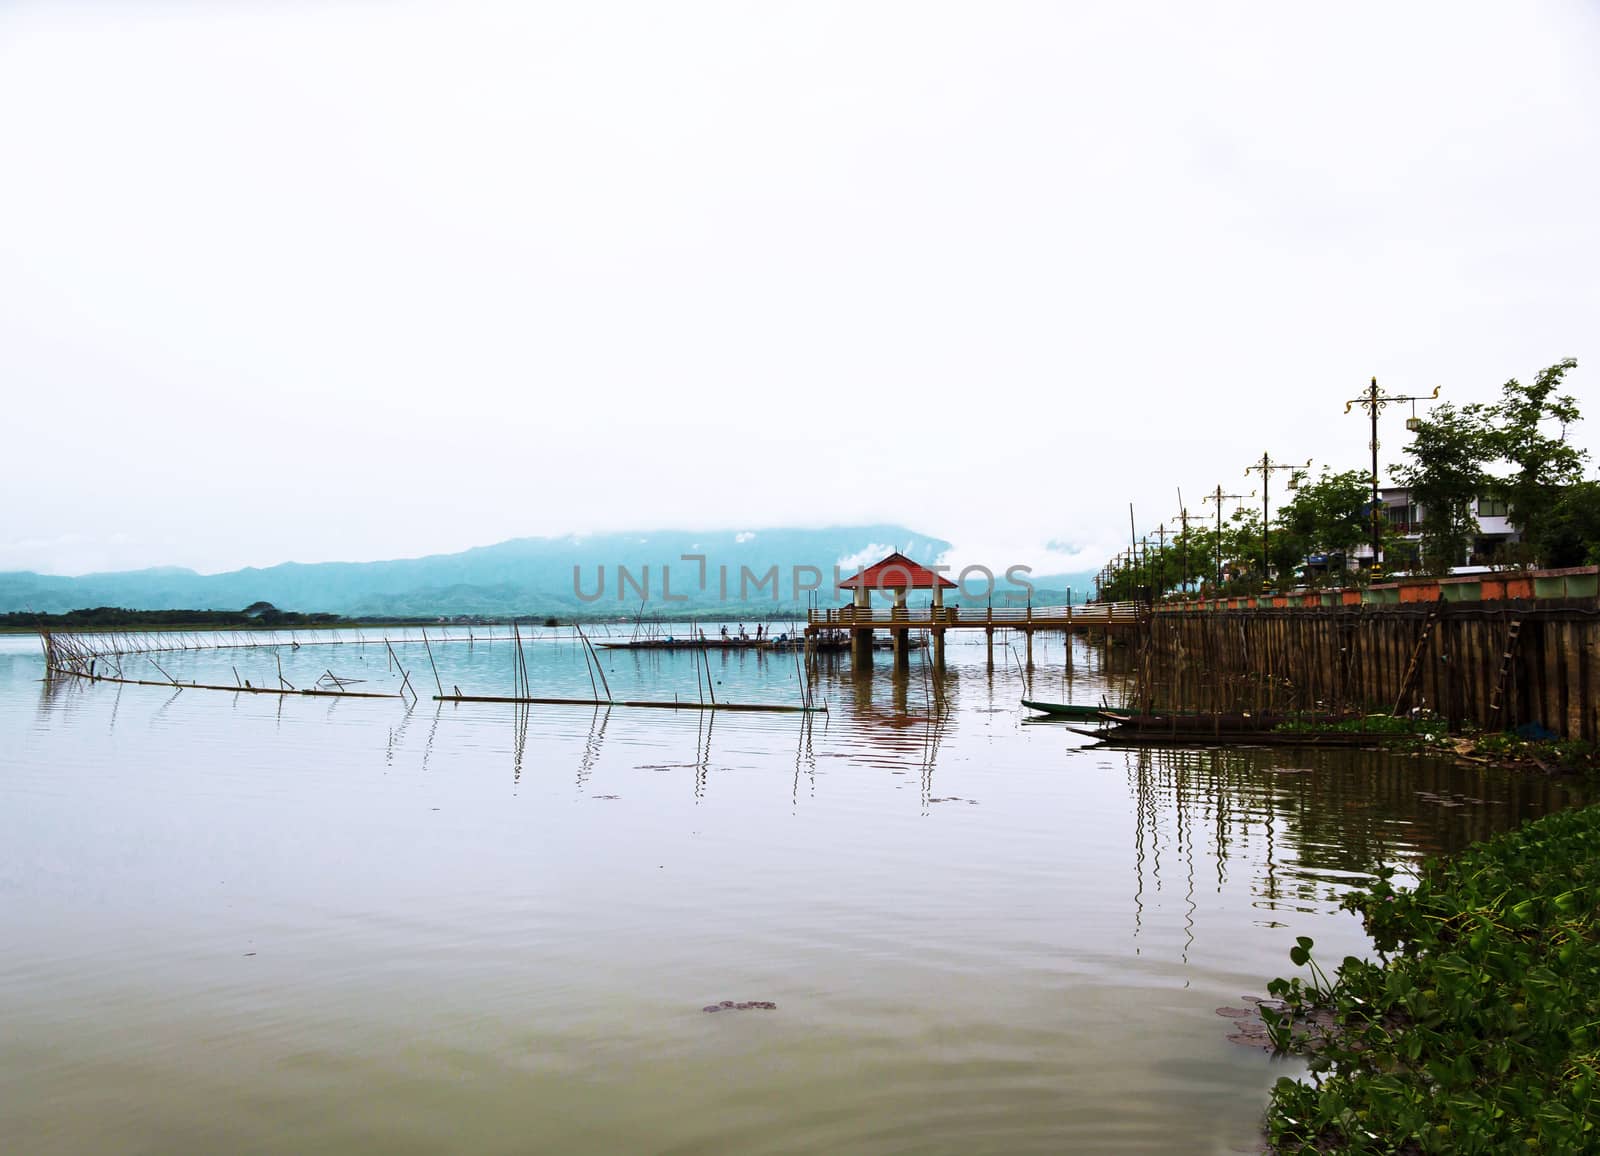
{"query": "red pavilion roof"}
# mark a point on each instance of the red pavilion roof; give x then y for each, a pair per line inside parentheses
(895, 572)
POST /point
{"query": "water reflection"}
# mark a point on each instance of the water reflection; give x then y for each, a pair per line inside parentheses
(805, 761)
(433, 733)
(896, 718)
(397, 734)
(591, 746)
(950, 908)
(1312, 822)
(702, 755)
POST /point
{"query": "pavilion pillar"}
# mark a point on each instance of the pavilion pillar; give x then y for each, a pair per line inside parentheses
(900, 634)
(939, 615)
(988, 632)
(1028, 637)
(861, 636)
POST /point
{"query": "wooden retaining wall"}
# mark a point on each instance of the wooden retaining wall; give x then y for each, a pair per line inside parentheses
(1495, 665)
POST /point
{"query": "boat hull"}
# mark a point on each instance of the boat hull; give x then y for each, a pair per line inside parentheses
(1071, 710)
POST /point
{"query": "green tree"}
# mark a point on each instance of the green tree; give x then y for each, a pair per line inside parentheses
(1569, 533)
(1449, 450)
(1146, 576)
(1542, 466)
(1239, 547)
(1328, 516)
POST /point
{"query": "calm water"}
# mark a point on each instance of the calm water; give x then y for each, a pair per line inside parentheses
(238, 923)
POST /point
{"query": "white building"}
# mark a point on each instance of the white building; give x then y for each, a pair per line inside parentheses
(1495, 529)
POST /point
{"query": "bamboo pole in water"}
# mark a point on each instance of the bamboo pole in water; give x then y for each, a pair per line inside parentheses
(431, 663)
(596, 657)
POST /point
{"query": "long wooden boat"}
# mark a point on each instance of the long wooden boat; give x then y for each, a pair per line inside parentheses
(1211, 723)
(1312, 729)
(1116, 737)
(1074, 710)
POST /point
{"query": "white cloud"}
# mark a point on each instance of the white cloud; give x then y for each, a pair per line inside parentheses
(301, 298)
(70, 553)
(863, 558)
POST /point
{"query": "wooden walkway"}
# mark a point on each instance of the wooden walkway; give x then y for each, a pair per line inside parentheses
(1111, 615)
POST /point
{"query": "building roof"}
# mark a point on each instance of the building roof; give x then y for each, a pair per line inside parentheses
(896, 572)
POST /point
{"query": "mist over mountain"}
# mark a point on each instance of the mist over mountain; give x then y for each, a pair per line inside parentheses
(747, 571)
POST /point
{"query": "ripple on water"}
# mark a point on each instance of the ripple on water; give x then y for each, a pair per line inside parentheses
(235, 922)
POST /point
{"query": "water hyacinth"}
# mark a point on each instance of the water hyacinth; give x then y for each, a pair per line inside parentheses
(1479, 1029)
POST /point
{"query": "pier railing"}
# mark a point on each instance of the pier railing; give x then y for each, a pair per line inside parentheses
(998, 617)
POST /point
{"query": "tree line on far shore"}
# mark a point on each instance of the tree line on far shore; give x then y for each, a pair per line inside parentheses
(1512, 453)
(259, 615)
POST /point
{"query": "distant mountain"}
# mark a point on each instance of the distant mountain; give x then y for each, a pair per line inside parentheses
(744, 572)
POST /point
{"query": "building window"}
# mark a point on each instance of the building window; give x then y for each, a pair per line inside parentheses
(1404, 519)
(1492, 508)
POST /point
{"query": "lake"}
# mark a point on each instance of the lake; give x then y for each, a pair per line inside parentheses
(264, 924)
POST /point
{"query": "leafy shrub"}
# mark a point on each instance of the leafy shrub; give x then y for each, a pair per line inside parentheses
(1479, 1031)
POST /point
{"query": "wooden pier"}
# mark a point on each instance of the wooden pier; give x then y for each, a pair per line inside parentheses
(860, 622)
(896, 575)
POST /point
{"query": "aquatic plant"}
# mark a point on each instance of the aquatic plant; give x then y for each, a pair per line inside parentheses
(1374, 724)
(1478, 1030)
(1550, 755)
(1418, 732)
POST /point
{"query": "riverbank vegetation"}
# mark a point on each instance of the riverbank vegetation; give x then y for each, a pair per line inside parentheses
(1511, 454)
(1550, 756)
(1478, 1029)
(1534, 750)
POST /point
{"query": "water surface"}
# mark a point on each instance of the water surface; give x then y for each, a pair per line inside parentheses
(242, 923)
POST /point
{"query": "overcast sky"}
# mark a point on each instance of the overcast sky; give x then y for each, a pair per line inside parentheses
(323, 281)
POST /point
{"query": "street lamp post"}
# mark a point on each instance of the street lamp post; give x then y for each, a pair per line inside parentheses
(1183, 519)
(1160, 578)
(1219, 497)
(1373, 402)
(1265, 467)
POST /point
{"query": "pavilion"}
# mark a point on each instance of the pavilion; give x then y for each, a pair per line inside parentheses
(897, 575)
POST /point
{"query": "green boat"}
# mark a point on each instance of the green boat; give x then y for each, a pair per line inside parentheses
(1065, 709)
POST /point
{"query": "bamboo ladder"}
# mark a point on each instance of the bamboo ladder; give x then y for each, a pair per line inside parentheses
(1414, 667)
(1498, 695)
